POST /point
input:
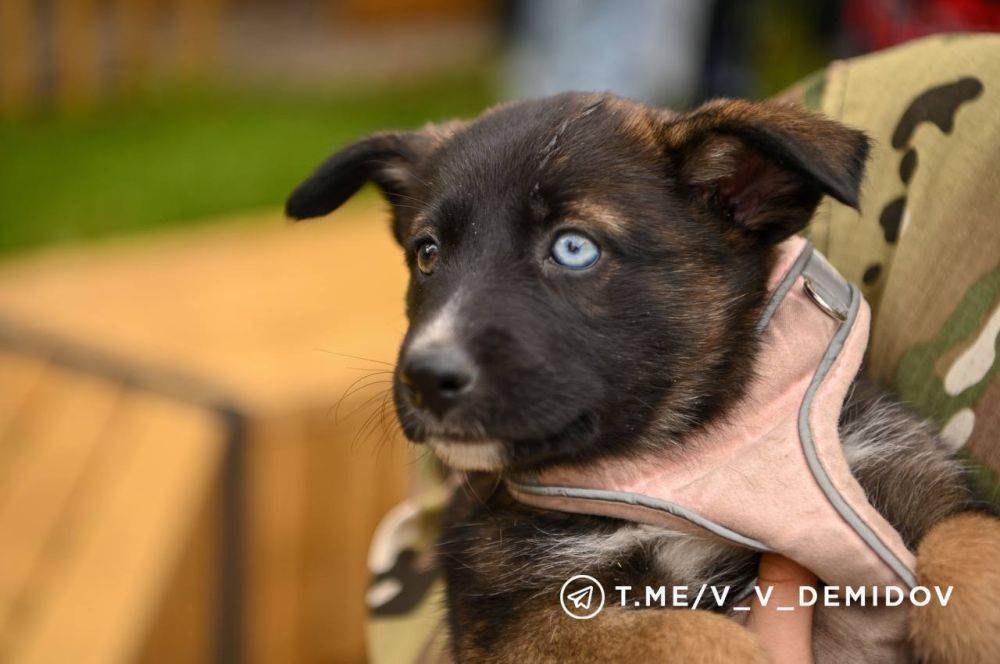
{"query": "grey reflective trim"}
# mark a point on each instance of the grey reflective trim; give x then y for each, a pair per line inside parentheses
(845, 298)
(638, 500)
(847, 512)
(781, 290)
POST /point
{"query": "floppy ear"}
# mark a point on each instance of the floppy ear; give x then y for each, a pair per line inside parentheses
(390, 160)
(765, 166)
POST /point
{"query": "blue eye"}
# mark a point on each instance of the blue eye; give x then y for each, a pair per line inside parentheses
(575, 251)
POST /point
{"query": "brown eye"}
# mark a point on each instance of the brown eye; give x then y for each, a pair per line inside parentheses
(427, 257)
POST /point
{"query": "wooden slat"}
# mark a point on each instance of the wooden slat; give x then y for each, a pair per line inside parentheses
(124, 535)
(198, 27)
(77, 51)
(394, 11)
(35, 418)
(19, 374)
(355, 474)
(18, 65)
(316, 491)
(41, 480)
(184, 629)
(136, 21)
(276, 465)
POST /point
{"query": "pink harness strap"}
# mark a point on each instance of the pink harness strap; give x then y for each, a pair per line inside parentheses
(771, 475)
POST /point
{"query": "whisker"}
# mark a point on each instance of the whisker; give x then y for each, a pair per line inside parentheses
(365, 431)
(352, 390)
(356, 357)
(389, 424)
(382, 394)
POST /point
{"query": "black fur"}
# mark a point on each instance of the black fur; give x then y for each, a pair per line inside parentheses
(652, 342)
(579, 365)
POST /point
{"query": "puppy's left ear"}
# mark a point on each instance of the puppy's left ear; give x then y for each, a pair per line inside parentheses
(765, 166)
(388, 159)
(392, 160)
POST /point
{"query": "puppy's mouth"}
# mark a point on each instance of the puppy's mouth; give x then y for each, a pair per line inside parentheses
(483, 453)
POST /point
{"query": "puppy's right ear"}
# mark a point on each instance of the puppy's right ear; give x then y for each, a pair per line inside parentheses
(388, 159)
(763, 165)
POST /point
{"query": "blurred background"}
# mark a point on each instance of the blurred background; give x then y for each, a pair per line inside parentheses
(196, 438)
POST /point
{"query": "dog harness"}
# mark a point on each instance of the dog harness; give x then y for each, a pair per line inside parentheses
(771, 475)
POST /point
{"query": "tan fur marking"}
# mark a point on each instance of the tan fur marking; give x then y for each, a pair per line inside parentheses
(442, 131)
(788, 119)
(636, 120)
(598, 214)
(713, 160)
(960, 552)
(617, 635)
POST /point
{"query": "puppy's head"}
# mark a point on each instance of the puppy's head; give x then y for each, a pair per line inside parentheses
(586, 272)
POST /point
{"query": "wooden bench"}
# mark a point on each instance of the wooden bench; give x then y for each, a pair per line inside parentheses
(177, 482)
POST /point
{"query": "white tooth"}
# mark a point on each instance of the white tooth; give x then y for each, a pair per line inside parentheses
(484, 455)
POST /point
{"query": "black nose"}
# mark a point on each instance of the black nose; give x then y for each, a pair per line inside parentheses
(439, 376)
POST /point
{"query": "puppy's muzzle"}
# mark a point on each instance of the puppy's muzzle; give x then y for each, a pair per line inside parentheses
(438, 377)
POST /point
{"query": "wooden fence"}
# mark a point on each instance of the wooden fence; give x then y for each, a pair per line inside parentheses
(69, 52)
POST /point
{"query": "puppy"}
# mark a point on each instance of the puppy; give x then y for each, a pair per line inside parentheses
(586, 277)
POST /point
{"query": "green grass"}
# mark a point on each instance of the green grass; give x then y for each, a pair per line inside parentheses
(182, 156)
